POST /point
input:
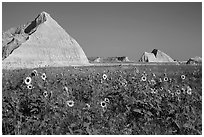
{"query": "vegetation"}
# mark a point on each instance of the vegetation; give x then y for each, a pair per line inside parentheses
(146, 99)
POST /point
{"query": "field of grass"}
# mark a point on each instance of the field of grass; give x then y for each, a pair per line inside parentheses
(130, 99)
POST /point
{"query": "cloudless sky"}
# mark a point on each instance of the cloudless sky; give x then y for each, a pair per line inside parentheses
(120, 29)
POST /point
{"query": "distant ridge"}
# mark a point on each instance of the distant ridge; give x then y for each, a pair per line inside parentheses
(156, 56)
(195, 60)
(40, 43)
(108, 59)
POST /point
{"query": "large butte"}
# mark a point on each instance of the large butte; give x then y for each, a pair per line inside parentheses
(40, 43)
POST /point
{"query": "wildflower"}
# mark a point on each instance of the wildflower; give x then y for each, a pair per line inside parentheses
(183, 89)
(45, 94)
(115, 87)
(29, 86)
(153, 75)
(178, 92)
(110, 78)
(43, 76)
(87, 105)
(81, 79)
(107, 100)
(152, 90)
(34, 73)
(189, 90)
(160, 80)
(177, 86)
(143, 78)
(172, 94)
(137, 70)
(100, 80)
(183, 77)
(27, 80)
(105, 76)
(51, 93)
(153, 82)
(165, 78)
(70, 103)
(65, 89)
(103, 104)
(123, 82)
(165, 74)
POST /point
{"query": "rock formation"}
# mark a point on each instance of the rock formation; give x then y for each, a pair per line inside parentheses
(12, 39)
(123, 59)
(195, 60)
(98, 59)
(42, 42)
(155, 56)
(148, 57)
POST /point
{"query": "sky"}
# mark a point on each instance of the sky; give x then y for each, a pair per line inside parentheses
(120, 29)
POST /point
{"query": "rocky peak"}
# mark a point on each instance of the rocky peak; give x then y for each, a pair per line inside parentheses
(156, 56)
(154, 51)
(41, 18)
(41, 42)
(14, 37)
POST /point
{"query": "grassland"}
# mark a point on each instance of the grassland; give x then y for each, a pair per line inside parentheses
(117, 99)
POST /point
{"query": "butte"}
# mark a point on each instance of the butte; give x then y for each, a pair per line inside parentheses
(40, 43)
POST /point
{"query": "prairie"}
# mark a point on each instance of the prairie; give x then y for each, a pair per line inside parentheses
(103, 99)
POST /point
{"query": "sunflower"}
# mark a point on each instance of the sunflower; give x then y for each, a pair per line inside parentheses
(45, 94)
(28, 80)
(189, 90)
(143, 78)
(103, 104)
(70, 103)
(183, 77)
(29, 86)
(166, 79)
(105, 76)
(43, 76)
(107, 100)
(34, 73)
